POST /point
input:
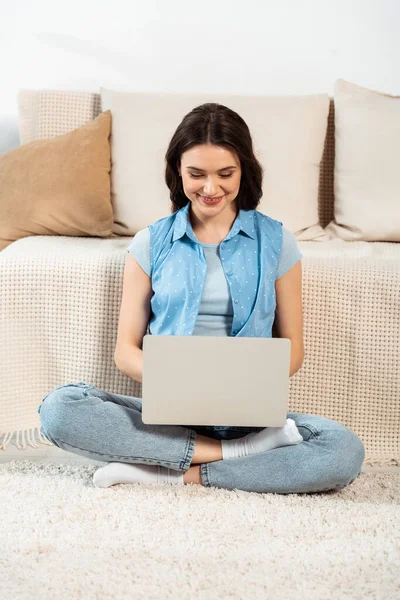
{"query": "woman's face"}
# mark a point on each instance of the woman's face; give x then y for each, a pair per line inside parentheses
(210, 171)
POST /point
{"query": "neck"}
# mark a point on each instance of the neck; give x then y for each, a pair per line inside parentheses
(221, 223)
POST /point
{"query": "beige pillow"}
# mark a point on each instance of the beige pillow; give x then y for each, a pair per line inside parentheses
(58, 186)
(288, 133)
(367, 173)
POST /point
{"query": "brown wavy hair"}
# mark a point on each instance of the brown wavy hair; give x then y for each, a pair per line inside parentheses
(213, 123)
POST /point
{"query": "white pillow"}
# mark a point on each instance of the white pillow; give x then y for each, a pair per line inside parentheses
(367, 168)
(288, 134)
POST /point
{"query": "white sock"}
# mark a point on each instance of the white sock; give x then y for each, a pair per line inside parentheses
(118, 472)
(267, 439)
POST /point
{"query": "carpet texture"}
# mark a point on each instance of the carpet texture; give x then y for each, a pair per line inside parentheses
(61, 537)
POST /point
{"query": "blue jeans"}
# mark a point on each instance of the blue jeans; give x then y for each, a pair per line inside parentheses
(104, 426)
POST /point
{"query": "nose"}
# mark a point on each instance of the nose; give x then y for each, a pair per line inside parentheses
(211, 189)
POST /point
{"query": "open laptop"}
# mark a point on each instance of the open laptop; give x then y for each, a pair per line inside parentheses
(210, 380)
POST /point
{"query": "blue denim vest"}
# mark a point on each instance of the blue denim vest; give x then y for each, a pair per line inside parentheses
(250, 257)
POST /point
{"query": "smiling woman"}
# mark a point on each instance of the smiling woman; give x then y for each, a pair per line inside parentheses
(236, 283)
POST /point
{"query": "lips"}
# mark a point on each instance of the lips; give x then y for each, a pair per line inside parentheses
(211, 201)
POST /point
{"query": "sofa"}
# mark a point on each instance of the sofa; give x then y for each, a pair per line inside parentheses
(60, 300)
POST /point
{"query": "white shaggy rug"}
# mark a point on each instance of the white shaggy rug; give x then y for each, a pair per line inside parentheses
(63, 538)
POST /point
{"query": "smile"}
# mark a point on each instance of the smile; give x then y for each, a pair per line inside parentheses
(210, 200)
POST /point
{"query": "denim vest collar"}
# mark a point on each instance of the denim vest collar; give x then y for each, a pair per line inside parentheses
(182, 225)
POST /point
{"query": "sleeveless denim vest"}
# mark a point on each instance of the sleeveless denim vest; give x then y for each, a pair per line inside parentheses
(250, 256)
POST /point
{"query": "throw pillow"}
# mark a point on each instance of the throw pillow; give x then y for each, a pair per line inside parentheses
(58, 186)
(367, 181)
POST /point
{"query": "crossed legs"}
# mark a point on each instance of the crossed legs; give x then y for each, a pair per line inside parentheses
(206, 450)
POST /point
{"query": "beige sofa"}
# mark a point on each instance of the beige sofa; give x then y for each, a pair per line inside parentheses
(60, 299)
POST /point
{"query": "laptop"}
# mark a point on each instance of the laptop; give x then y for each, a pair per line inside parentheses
(215, 380)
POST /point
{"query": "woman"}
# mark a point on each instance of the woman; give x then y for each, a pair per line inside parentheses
(181, 278)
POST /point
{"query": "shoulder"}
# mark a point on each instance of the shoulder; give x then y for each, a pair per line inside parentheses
(289, 241)
(264, 220)
(164, 221)
(142, 234)
(140, 249)
(290, 252)
(140, 239)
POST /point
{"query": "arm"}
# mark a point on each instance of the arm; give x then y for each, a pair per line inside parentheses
(133, 319)
(296, 360)
(130, 363)
(289, 313)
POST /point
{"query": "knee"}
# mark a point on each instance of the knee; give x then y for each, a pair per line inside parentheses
(356, 451)
(351, 456)
(54, 409)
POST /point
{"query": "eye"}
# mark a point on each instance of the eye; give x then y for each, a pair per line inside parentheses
(198, 176)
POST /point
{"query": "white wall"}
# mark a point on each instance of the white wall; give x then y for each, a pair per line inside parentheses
(252, 46)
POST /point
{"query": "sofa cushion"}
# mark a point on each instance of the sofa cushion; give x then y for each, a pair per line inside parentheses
(58, 186)
(367, 150)
(288, 134)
